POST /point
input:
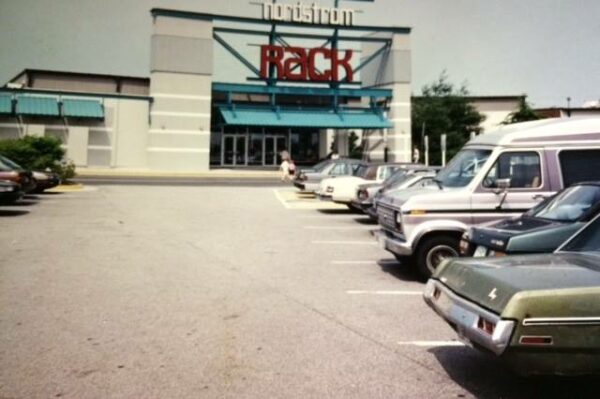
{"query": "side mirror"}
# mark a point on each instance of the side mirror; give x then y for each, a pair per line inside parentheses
(503, 184)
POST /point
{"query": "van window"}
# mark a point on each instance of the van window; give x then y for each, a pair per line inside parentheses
(579, 165)
(462, 168)
(522, 168)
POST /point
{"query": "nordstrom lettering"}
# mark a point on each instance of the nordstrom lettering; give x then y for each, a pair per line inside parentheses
(308, 14)
(299, 64)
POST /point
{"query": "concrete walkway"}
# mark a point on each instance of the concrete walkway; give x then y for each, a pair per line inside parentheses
(213, 173)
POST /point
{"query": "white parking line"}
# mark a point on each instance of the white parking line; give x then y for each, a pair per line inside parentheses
(340, 227)
(345, 242)
(431, 344)
(362, 292)
(280, 198)
(364, 262)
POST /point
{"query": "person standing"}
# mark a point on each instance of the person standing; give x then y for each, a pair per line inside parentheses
(416, 155)
(284, 168)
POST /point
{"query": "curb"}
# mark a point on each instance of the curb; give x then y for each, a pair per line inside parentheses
(66, 188)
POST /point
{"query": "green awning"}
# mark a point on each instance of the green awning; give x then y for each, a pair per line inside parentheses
(5, 104)
(35, 105)
(347, 119)
(82, 108)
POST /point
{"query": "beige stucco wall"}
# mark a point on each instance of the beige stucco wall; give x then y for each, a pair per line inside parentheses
(181, 87)
(119, 140)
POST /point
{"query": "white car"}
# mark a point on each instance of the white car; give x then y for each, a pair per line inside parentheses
(342, 190)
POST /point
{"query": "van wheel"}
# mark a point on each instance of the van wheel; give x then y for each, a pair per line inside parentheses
(433, 250)
(404, 260)
(354, 209)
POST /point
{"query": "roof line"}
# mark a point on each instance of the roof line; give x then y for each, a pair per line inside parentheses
(208, 16)
(66, 94)
(99, 75)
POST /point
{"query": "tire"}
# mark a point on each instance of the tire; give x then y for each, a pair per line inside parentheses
(404, 260)
(433, 250)
(353, 209)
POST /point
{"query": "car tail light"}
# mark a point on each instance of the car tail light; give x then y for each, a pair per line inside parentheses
(363, 194)
(535, 340)
(486, 326)
(497, 254)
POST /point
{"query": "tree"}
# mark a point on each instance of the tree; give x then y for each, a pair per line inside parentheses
(523, 114)
(444, 109)
(354, 150)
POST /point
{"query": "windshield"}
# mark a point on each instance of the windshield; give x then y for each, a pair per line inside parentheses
(367, 172)
(9, 163)
(569, 205)
(463, 168)
(4, 167)
(587, 239)
(321, 165)
(396, 179)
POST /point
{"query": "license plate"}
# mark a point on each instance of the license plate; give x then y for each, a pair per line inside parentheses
(480, 252)
(382, 242)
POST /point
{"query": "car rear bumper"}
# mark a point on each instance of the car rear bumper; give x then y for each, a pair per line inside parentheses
(467, 318)
(10, 197)
(393, 244)
(306, 186)
(323, 197)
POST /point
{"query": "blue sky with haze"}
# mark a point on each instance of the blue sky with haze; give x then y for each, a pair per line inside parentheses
(547, 49)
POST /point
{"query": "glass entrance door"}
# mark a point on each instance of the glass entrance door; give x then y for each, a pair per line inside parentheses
(273, 147)
(234, 151)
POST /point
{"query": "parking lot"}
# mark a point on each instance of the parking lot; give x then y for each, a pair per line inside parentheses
(223, 291)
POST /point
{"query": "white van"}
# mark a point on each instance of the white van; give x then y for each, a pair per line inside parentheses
(496, 175)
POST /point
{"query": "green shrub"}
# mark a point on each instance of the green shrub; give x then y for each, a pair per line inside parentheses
(38, 153)
(65, 170)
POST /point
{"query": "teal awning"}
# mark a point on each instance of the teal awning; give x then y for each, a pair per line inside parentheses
(34, 105)
(82, 108)
(5, 104)
(347, 119)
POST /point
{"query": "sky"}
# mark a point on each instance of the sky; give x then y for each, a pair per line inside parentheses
(546, 49)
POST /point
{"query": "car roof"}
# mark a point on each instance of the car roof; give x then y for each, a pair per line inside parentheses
(543, 132)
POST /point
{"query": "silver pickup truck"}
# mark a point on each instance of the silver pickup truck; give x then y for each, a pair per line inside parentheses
(496, 175)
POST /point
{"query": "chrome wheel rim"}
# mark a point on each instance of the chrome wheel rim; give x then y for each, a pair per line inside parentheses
(437, 254)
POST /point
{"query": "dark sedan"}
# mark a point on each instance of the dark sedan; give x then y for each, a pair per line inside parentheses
(13, 172)
(10, 192)
(540, 230)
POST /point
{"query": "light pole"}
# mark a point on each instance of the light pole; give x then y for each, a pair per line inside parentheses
(569, 107)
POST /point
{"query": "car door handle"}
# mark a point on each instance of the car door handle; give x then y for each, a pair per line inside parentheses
(539, 197)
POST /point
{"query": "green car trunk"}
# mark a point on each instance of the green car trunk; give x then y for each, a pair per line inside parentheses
(553, 299)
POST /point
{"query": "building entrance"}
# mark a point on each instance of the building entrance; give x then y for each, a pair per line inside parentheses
(273, 146)
(234, 150)
(256, 146)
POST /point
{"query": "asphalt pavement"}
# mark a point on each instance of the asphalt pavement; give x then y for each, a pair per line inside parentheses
(154, 291)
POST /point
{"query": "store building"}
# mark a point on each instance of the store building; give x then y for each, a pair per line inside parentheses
(305, 89)
(309, 78)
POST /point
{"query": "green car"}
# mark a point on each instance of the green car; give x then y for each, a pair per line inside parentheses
(538, 313)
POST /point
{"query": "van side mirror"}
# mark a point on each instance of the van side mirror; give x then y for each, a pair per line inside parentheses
(503, 185)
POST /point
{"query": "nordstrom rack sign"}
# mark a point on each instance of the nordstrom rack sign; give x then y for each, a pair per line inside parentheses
(308, 14)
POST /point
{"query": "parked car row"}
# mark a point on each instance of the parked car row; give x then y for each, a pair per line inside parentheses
(508, 236)
(16, 181)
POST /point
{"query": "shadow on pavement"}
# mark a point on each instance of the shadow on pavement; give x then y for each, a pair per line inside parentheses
(25, 203)
(365, 220)
(49, 193)
(336, 211)
(12, 212)
(486, 377)
(399, 271)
